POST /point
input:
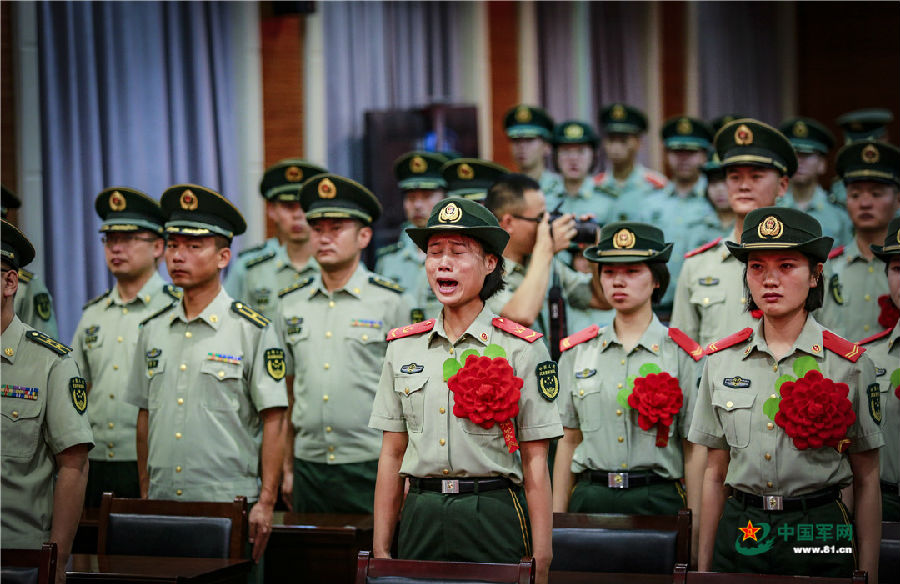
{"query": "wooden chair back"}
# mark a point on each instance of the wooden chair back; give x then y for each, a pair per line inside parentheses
(683, 576)
(370, 570)
(29, 566)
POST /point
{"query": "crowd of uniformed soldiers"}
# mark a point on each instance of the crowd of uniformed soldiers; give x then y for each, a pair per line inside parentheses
(265, 385)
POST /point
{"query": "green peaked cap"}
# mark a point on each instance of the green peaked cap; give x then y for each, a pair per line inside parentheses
(466, 217)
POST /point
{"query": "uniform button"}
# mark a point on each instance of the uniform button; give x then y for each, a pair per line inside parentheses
(124, 311)
(221, 374)
(442, 441)
(326, 366)
(112, 396)
(356, 290)
(331, 449)
(120, 339)
(111, 425)
(330, 457)
(446, 471)
(865, 327)
(775, 367)
(111, 454)
(580, 392)
(179, 492)
(181, 401)
(773, 396)
(769, 484)
(146, 298)
(706, 301)
(296, 276)
(365, 337)
(443, 411)
(619, 386)
(328, 428)
(149, 374)
(729, 404)
(178, 435)
(188, 334)
(177, 469)
(9, 351)
(331, 304)
(115, 367)
(328, 335)
(622, 362)
(871, 269)
(770, 426)
(867, 297)
(213, 318)
(768, 456)
(451, 350)
(325, 397)
(618, 412)
(110, 444)
(183, 366)
(621, 439)
(743, 300)
(15, 414)
(624, 465)
(406, 390)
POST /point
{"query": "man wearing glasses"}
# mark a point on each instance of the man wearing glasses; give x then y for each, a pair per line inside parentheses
(107, 334)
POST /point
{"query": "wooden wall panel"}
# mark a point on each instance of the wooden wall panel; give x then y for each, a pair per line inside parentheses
(673, 58)
(503, 43)
(8, 141)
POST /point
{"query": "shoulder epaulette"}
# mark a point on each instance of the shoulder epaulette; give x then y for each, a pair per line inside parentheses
(162, 310)
(841, 346)
(836, 252)
(411, 329)
(389, 249)
(875, 337)
(690, 346)
(516, 329)
(385, 283)
(703, 248)
(259, 260)
(25, 276)
(47, 341)
(93, 301)
(252, 250)
(173, 291)
(655, 179)
(579, 337)
(729, 341)
(294, 287)
(250, 314)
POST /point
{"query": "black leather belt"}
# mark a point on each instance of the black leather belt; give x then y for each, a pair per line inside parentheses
(890, 488)
(779, 503)
(455, 486)
(623, 480)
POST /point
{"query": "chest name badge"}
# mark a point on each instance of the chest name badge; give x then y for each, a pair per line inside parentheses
(364, 323)
(152, 357)
(78, 388)
(736, 382)
(585, 373)
(412, 368)
(275, 363)
(91, 334)
(261, 296)
(548, 380)
(709, 281)
(874, 394)
(19, 392)
(293, 325)
(879, 371)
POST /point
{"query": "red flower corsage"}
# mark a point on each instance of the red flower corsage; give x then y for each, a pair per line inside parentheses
(657, 397)
(889, 314)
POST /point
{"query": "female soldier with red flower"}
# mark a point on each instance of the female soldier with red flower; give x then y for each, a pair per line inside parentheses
(628, 391)
(466, 403)
(790, 414)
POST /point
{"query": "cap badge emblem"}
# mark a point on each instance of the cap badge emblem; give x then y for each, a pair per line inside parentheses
(870, 154)
(293, 174)
(465, 172)
(624, 239)
(743, 136)
(117, 201)
(188, 200)
(574, 132)
(618, 112)
(418, 165)
(771, 226)
(523, 114)
(327, 189)
(801, 130)
(450, 214)
(684, 126)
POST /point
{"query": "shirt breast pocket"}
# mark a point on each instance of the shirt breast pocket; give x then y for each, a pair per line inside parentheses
(21, 426)
(409, 389)
(366, 346)
(221, 385)
(589, 403)
(735, 413)
(708, 297)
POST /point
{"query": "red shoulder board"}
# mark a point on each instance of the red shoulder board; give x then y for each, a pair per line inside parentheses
(579, 337)
(836, 252)
(738, 337)
(656, 180)
(841, 346)
(703, 248)
(875, 337)
(411, 329)
(599, 177)
(516, 329)
(690, 346)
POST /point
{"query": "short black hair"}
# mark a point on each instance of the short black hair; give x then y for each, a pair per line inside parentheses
(660, 273)
(814, 299)
(509, 191)
(494, 281)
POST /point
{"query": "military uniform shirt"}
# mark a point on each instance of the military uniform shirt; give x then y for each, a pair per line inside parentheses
(590, 199)
(103, 347)
(268, 274)
(42, 392)
(885, 354)
(335, 345)
(33, 304)
(237, 270)
(833, 218)
(204, 382)
(631, 193)
(414, 398)
(710, 301)
(592, 373)
(764, 460)
(852, 287)
(404, 263)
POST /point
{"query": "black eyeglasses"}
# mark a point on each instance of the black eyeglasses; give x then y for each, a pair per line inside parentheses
(537, 219)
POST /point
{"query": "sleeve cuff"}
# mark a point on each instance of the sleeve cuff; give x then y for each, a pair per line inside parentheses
(387, 424)
(544, 432)
(708, 440)
(868, 442)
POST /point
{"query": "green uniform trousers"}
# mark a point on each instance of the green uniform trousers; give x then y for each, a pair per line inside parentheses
(890, 505)
(119, 478)
(785, 541)
(656, 499)
(492, 526)
(334, 488)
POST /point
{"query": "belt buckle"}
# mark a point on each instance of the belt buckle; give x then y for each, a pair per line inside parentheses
(773, 503)
(449, 486)
(617, 480)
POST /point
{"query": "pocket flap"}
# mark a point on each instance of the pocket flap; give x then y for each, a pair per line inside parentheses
(733, 400)
(221, 370)
(409, 384)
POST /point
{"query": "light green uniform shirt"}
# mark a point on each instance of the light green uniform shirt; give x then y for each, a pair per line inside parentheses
(853, 285)
(710, 301)
(237, 269)
(269, 273)
(335, 345)
(592, 373)
(833, 218)
(764, 460)
(40, 420)
(404, 263)
(590, 199)
(414, 398)
(550, 181)
(34, 305)
(630, 194)
(103, 347)
(204, 382)
(885, 354)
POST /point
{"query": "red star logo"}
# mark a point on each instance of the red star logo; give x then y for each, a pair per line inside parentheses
(749, 531)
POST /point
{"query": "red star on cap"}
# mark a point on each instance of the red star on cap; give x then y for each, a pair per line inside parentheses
(749, 531)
